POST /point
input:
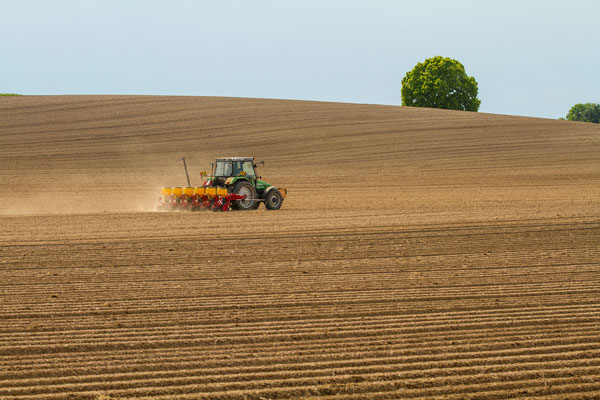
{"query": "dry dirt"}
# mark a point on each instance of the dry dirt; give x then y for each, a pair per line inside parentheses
(420, 254)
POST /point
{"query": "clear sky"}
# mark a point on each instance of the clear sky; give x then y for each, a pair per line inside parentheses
(534, 58)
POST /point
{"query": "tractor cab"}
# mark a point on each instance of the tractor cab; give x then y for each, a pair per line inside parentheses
(235, 166)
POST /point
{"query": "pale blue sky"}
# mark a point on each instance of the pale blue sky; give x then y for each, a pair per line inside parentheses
(534, 58)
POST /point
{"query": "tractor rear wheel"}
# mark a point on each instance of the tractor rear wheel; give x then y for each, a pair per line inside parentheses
(273, 200)
(244, 188)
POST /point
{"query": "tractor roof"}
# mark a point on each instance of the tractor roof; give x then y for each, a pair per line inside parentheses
(236, 159)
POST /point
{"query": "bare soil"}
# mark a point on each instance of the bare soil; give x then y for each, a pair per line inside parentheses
(420, 253)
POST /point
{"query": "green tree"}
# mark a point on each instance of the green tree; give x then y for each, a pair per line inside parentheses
(588, 112)
(440, 82)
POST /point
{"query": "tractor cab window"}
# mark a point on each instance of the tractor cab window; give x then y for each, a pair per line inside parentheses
(224, 168)
(248, 168)
(234, 168)
(237, 168)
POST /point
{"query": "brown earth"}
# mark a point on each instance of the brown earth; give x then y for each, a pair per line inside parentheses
(420, 254)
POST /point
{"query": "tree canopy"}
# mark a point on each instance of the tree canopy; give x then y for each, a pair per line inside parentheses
(440, 82)
(587, 112)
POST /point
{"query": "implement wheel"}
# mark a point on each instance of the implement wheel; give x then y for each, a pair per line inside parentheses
(273, 200)
(244, 188)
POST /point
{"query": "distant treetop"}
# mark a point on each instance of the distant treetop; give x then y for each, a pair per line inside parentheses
(440, 82)
(588, 112)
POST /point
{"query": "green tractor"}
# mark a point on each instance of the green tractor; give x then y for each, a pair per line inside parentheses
(233, 183)
(238, 175)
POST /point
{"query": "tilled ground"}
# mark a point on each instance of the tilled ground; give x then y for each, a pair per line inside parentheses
(471, 271)
(503, 309)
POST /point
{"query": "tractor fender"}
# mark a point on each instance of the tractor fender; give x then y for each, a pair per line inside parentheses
(267, 190)
(232, 180)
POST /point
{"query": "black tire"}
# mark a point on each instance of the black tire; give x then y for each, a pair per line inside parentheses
(244, 188)
(274, 200)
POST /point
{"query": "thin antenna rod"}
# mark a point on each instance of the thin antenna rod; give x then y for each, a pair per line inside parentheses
(186, 171)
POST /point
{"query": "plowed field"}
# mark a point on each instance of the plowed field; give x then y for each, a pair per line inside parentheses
(420, 253)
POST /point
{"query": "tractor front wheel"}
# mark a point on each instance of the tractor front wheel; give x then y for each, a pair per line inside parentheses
(273, 200)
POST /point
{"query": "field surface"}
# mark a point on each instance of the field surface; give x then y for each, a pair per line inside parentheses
(420, 253)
